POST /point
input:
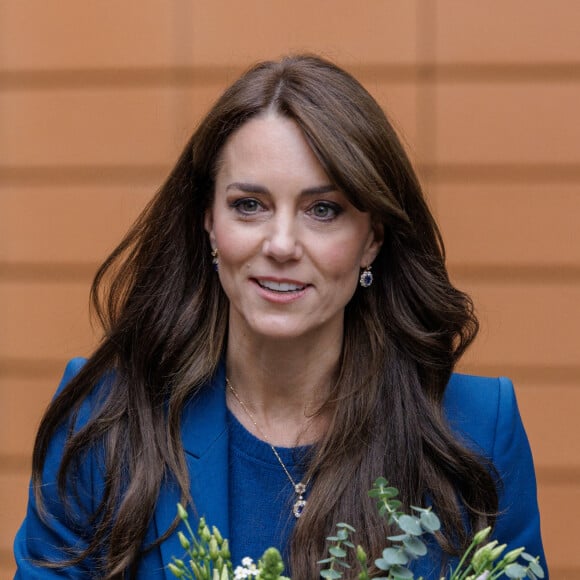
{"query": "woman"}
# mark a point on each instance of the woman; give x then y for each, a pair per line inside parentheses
(280, 330)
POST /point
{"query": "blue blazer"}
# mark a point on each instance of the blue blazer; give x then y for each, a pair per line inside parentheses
(482, 412)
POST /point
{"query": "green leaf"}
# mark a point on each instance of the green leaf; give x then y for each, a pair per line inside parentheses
(395, 556)
(416, 546)
(332, 574)
(347, 526)
(515, 571)
(537, 569)
(325, 561)
(410, 524)
(337, 552)
(429, 521)
(382, 564)
(401, 573)
(395, 504)
(399, 538)
(534, 565)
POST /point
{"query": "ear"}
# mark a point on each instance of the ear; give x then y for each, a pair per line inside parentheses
(208, 225)
(373, 245)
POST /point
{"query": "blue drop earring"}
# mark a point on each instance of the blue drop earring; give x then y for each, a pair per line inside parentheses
(366, 277)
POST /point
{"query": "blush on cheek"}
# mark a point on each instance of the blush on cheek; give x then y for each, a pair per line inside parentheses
(340, 260)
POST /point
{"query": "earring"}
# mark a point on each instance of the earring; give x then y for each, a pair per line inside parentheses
(215, 259)
(366, 277)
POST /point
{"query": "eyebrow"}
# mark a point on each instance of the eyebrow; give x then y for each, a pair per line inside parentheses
(255, 188)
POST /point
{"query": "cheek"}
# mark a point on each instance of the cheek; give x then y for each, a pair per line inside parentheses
(235, 249)
(342, 259)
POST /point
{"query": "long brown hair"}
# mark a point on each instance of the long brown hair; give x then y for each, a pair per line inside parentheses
(165, 320)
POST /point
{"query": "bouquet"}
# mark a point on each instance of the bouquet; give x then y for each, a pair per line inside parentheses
(210, 558)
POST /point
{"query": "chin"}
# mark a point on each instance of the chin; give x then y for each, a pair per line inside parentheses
(282, 332)
(285, 330)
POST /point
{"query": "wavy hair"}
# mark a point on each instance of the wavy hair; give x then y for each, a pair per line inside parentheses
(164, 316)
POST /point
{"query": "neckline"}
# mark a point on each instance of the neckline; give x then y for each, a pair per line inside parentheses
(248, 444)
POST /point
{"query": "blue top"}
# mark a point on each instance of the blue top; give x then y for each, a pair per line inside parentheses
(482, 412)
(261, 495)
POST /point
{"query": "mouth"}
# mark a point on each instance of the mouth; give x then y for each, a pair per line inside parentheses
(282, 287)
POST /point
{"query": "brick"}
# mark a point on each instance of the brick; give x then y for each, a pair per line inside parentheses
(87, 35)
(13, 499)
(560, 511)
(399, 101)
(22, 404)
(510, 31)
(524, 323)
(45, 320)
(549, 413)
(83, 127)
(506, 224)
(507, 123)
(74, 223)
(226, 33)
(7, 565)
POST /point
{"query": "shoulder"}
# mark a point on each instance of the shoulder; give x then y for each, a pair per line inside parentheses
(478, 408)
(484, 415)
(73, 366)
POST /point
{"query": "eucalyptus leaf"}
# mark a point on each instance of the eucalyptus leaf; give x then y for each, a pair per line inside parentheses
(533, 565)
(382, 564)
(536, 569)
(416, 546)
(411, 525)
(515, 571)
(337, 552)
(401, 573)
(429, 521)
(395, 556)
(399, 538)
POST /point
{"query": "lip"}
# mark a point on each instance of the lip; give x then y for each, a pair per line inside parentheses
(280, 296)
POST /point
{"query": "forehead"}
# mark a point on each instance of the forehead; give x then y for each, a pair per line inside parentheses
(269, 145)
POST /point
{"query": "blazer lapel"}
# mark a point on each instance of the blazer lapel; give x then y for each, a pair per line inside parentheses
(205, 441)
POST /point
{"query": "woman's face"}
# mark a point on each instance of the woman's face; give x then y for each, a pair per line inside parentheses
(290, 244)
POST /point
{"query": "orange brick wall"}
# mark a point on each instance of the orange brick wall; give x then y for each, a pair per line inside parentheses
(97, 99)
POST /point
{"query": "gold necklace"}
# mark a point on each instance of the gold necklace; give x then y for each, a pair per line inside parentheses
(299, 488)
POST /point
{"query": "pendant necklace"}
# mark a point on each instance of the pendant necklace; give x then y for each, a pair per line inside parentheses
(299, 488)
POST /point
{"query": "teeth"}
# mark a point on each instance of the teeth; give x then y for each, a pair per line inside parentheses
(280, 286)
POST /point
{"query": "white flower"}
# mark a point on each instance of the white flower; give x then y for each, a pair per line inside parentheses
(246, 570)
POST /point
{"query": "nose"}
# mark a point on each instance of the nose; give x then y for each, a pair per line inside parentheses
(282, 239)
